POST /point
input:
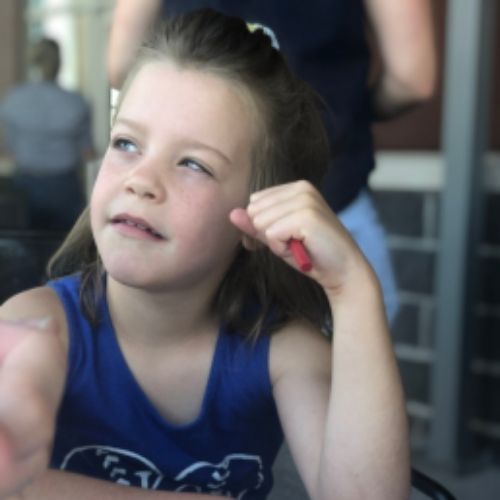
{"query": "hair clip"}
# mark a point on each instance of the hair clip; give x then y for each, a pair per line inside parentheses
(252, 27)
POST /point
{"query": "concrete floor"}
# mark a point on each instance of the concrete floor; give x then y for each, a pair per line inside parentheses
(483, 484)
(287, 483)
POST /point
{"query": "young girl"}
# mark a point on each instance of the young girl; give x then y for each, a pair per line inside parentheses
(183, 340)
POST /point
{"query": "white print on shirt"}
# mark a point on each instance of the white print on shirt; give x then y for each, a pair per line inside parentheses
(223, 478)
(130, 469)
(115, 464)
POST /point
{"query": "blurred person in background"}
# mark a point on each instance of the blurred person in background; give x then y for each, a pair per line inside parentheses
(47, 132)
(328, 45)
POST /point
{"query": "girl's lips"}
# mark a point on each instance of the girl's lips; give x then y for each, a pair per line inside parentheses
(135, 226)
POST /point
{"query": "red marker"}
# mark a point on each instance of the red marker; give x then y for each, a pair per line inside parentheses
(300, 255)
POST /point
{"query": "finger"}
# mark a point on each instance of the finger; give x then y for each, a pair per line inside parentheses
(293, 251)
(269, 208)
(291, 187)
(258, 230)
(269, 197)
(292, 218)
(283, 220)
(240, 218)
(265, 219)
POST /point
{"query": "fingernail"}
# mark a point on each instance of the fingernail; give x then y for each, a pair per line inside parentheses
(41, 323)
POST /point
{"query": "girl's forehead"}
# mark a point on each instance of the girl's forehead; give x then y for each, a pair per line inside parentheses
(196, 94)
(161, 78)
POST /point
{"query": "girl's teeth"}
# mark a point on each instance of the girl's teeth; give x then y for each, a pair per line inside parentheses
(142, 227)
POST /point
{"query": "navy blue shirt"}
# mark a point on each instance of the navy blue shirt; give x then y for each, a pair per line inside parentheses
(107, 428)
(48, 128)
(325, 43)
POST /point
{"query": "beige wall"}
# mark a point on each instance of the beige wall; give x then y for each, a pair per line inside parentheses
(11, 52)
(11, 43)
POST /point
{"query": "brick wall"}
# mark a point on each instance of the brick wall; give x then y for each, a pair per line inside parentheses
(485, 369)
(411, 220)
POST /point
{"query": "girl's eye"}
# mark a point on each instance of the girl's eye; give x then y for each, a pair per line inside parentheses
(124, 145)
(195, 166)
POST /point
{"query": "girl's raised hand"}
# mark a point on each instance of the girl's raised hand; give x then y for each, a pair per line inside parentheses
(297, 210)
(27, 414)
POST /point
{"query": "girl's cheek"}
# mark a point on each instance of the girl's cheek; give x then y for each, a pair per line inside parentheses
(106, 174)
(114, 160)
(101, 189)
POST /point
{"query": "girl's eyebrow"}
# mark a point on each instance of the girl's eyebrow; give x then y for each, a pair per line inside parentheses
(130, 124)
(187, 141)
(201, 145)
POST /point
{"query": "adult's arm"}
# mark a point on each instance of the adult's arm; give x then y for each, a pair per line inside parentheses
(130, 22)
(33, 351)
(32, 374)
(404, 33)
(60, 485)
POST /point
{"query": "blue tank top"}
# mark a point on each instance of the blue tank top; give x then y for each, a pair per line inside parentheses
(108, 429)
(325, 43)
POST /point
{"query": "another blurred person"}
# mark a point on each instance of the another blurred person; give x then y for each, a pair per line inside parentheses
(48, 134)
(327, 46)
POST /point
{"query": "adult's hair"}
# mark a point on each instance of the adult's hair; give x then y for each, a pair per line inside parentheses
(291, 145)
(45, 55)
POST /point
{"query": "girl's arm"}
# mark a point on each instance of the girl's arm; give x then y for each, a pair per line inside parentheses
(58, 485)
(130, 22)
(347, 428)
(341, 406)
(32, 374)
(404, 34)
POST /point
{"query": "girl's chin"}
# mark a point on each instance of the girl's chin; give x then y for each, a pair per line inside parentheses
(152, 279)
(131, 281)
(133, 276)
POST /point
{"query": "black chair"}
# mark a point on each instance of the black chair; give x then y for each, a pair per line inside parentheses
(430, 487)
(23, 257)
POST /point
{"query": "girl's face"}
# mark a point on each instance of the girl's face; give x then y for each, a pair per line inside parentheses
(179, 160)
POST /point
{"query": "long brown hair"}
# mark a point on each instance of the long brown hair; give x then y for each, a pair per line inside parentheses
(259, 288)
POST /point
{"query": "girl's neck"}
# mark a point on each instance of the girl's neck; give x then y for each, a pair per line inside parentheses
(152, 318)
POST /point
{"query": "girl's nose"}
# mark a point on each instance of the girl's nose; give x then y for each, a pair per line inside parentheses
(145, 183)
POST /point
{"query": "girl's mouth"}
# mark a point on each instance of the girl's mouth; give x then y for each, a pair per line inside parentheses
(135, 226)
